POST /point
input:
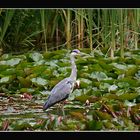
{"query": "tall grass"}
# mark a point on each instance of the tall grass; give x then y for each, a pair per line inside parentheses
(136, 26)
(121, 27)
(113, 21)
(89, 21)
(66, 19)
(6, 22)
(80, 23)
(105, 28)
(112, 29)
(44, 26)
(23, 29)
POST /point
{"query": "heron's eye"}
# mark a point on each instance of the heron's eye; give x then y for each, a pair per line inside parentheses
(76, 51)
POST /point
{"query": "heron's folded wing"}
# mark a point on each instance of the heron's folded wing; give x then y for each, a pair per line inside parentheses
(60, 92)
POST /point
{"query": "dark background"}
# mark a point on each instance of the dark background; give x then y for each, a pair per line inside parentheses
(69, 4)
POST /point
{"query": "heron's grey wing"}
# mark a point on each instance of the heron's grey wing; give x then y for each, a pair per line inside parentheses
(64, 84)
(60, 92)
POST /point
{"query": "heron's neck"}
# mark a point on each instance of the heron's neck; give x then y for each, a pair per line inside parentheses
(73, 75)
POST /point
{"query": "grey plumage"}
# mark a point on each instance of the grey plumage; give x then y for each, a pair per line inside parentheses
(62, 90)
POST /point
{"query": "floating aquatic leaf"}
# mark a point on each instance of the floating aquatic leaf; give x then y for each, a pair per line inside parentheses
(127, 103)
(77, 115)
(138, 99)
(9, 71)
(95, 67)
(52, 64)
(3, 67)
(84, 83)
(103, 115)
(104, 65)
(112, 88)
(119, 66)
(21, 125)
(39, 81)
(56, 73)
(104, 86)
(5, 56)
(5, 79)
(81, 61)
(45, 92)
(138, 75)
(123, 85)
(38, 69)
(108, 125)
(99, 76)
(36, 56)
(121, 76)
(25, 82)
(40, 124)
(94, 125)
(71, 124)
(28, 90)
(82, 98)
(85, 80)
(128, 96)
(128, 81)
(39, 62)
(75, 93)
(131, 71)
(11, 62)
(112, 96)
(20, 72)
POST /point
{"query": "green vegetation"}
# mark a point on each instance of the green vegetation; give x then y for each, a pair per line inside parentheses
(34, 56)
(108, 97)
(114, 30)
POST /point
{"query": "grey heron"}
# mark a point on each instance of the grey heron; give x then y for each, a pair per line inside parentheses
(61, 91)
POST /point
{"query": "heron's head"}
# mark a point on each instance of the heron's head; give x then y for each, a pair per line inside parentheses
(75, 52)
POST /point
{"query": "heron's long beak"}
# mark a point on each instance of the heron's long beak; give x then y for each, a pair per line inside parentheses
(84, 54)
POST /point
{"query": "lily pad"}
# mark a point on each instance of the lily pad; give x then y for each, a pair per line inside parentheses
(5, 79)
(39, 81)
(131, 71)
(119, 66)
(84, 83)
(103, 115)
(25, 82)
(128, 96)
(27, 90)
(94, 125)
(36, 56)
(11, 62)
(77, 115)
(82, 98)
(99, 76)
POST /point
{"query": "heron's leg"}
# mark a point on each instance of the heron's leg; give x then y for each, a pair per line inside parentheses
(61, 108)
(63, 111)
(58, 108)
